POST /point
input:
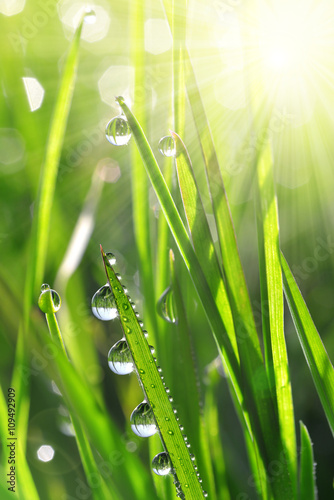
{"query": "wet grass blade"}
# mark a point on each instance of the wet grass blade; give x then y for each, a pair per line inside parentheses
(314, 350)
(154, 390)
(255, 388)
(272, 307)
(183, 242)
(307, 486)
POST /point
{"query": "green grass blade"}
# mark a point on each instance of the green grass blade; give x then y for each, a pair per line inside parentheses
(41, 220)
(314, 350)
(307, 486)
(258, 401)
(201, 236)
(272, 292)
(182, 239)
(187, 393)
(89, 464)
(154, 390)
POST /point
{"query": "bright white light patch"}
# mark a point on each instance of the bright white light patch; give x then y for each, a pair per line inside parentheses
(117, 80)
(11, 7)
(158, 38)
(45, 453)
(34, 91)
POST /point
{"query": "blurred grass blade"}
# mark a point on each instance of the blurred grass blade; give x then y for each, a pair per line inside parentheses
(272, 298)
(154, 390)
(42, 211)
(100, 491)
(314, 350)
(307, 486)
(187, 393)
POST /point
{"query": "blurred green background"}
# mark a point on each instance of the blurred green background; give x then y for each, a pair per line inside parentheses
(296, 96)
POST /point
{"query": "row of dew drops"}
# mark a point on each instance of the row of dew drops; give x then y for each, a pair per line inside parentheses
(120, 362)
(118, 133)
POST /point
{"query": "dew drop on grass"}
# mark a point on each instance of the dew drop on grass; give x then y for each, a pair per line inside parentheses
(49, 300)
(161, 464)
(166, 306)
(90, 16)
(120, 359)
(142, 420)
(118, 131)
(44, 287)
(111, 258)
(167, 146)
(103, 304)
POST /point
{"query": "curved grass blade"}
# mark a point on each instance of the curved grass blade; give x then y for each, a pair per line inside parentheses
(40, 227)
(255, 388)
(307, 486)
(272, 298)
(93, 416)
(320, 366)
(100, 491)
(154, 390)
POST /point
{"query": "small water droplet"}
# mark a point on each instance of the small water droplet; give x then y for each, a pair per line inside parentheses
(145, 333)
(103, 304)
(125, 307)
(120, 359)
(142, 420)
(181, 428)
(171, 399)
(171, 433)
(111, 258)
(192, 457)
(44, 287)
(161, 464)
(90, 16)
(136, 313)
(167, 146)
(153, 386)
(167, 390)
(49, 301)
(141, 324)
(205, 494)
(188, 445)
(166, 306)
(118, 131)
(175, 411)
(118, 276)
(141, 371)
(159, 369)
(152, 349)
(167, 419)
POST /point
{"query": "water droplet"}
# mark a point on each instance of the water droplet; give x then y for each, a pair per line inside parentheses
(118, 276)
(125, 307)
(90, 16)
(153, 386)
(166, 306)
(161, 464)
(142, 420)
(167, 146)
(141, 324)
(175, 411)
(120, 359)
(49, 301)
(181, 428)
(118, 131)
(205, 494)
(171, 399)
(159, 369)
(145, 333)
(103, 304)
(141, 371)
(167, 390)
(44, 287)
(170, 432)
(111, 258)
(192, 457)
(152, 349)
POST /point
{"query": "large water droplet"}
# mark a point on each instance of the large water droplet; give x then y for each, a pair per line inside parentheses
(90, 16)
(103, 304)
(167, 146)
(49, 300)
(142, 420)
(120, 359)
(118, 131)
(111, 258)
(166, 306)
(161, 464)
